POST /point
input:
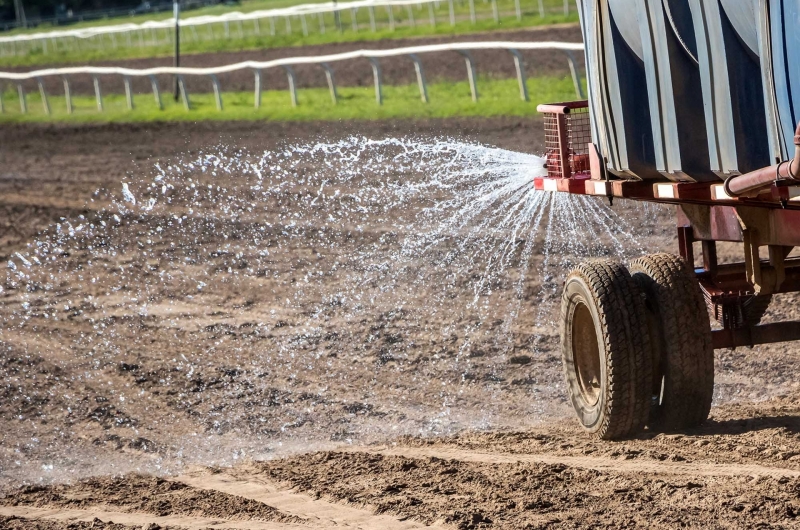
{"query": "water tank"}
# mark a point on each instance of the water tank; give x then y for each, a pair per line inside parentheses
(730, 68)
(692, 90)
(779, 43)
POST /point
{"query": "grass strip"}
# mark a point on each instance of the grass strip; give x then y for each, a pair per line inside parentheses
(498, 97)
(245, 6)
(215, 38)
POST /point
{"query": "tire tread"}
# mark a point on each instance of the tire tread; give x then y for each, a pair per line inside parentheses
(685, 335)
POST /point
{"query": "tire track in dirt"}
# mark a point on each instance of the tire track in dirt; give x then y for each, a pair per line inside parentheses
(319, 513)
(586, 462)
(141, 520)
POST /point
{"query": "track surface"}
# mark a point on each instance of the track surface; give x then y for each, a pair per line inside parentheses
(542, 478)
(740, 470)
(399, 70)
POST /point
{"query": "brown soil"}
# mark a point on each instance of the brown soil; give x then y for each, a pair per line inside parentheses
(502, 451)
(447, 66)
(150, 495)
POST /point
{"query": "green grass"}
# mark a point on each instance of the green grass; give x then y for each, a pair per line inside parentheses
(497, 98)
(214, 38)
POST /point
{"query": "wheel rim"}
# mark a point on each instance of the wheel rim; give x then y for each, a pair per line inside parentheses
(586, 354)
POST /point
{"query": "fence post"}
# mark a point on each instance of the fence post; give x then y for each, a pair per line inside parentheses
(518, 9)
(495, 12)
(156, 93)
(2, 103)
(431, 15)
(271, 26)
(576, 80)
(256, 27)
(390, 9)
(257, 95)
(321, 18)
(128, 92)
(240, 26)
(97, 94)
(452, 12)
(67, 94)
(423, 88)
(472, 17)
(292, 84)
(473, 85)
(541, 8)
(331, 83)
(520, 66)
(411, 20)
(217, 91)
(304, 25)
(288, 25)
(23, 105)
(376, 76)
(566, 7)
(372, 19)
(227, 29)
(43, 94)
(184, 93)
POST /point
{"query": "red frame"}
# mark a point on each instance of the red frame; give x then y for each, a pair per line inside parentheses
(706, 214)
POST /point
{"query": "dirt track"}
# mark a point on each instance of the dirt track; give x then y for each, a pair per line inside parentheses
(399, 70)
(502, 452)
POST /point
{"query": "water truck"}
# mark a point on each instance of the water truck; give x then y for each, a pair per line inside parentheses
(692, 103)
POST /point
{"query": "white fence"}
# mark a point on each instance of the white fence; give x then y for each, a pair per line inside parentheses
(145, 33)
(373, 56)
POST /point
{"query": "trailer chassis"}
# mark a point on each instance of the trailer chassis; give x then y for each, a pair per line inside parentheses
(765, 221)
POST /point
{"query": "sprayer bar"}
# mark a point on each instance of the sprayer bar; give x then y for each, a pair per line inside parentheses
(711, 193)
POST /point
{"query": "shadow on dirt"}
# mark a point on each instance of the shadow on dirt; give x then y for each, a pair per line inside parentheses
(789, 423)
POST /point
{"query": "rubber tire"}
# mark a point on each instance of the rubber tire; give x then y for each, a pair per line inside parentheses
(681, 333)
(617, 312)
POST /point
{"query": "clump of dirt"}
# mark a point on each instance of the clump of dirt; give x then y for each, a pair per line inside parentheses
(22, 523)
(527, 495)
(148, 494)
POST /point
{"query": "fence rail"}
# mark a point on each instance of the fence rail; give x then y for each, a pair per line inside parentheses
(324, 61)
(66, 17)
(145, 33)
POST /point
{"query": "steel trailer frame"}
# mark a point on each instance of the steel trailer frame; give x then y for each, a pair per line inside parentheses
(706, 213)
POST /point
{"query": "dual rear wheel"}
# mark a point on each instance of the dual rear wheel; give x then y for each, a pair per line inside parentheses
(636, 346)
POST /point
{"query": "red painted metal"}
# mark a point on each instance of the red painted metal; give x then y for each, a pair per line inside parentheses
(576, 184)
(562, 108)
(633, 189)
(567, 139)
(683, 191)
(754, 181)
(750, 336)
(685, 241)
